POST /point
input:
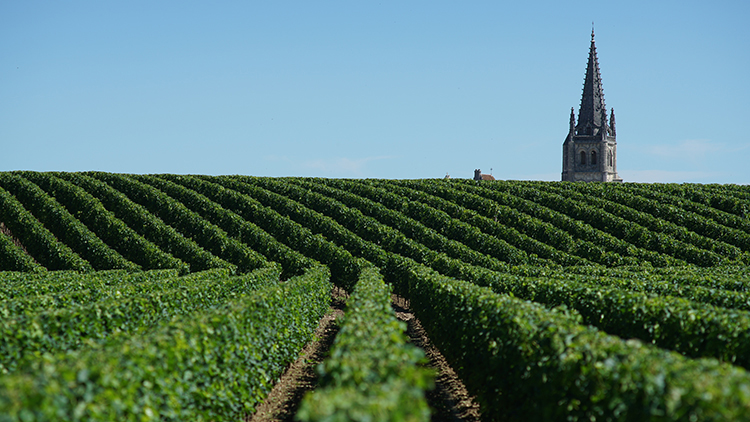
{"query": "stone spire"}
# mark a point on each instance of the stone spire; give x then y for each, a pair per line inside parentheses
(593, 113)
(590, 149)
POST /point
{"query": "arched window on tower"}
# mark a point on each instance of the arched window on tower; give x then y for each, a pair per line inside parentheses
(593, 157)
(583, 157)
(609, 156)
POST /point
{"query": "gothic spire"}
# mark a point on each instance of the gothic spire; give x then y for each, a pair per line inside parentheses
(593, 113)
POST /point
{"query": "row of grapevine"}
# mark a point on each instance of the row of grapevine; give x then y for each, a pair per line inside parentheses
(13, 257)
(448, 226)
(719, 214)
(707, 200)
(104, 223)
(691, 328)
(598, 246)
(344, 267)
(25, 297)
(18, 284)
(490, 227)
(219, 364)
(419, 239)
(696, 346)
(705, 407)
(508, 212)
(547, 270)
(63, 225)
(682, 225)
(490, 216)
(740, 192)
(37, 239)
(527, 362)
(40, 326)
(234, 225)
(210, 237)
(725, 277)
(371, 369)
(697, 293)
(728, 292)
(386, 208)
(614, 225)
(147, 225)
(364, 236)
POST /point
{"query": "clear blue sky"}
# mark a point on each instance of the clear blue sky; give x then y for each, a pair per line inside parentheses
(390, 89)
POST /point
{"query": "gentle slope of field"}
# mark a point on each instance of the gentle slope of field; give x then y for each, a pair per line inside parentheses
(551, 300)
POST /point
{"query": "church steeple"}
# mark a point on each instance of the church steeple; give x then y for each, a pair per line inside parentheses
(592, 116)
(590, 149)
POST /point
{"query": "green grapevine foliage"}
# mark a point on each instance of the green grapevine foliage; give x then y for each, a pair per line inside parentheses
(184, 297)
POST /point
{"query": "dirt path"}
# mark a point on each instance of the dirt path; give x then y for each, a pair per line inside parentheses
(449, 400)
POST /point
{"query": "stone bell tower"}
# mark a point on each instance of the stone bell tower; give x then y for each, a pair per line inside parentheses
(590, 149)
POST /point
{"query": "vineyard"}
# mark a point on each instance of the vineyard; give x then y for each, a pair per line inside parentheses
(173, 297)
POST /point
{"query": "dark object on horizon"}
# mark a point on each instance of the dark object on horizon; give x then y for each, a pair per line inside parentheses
(590, 149)
(479, 176)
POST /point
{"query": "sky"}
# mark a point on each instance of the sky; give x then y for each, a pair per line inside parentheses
(366, 89)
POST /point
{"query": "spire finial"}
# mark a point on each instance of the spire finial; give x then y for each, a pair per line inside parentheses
(592, 30)
(592, 100)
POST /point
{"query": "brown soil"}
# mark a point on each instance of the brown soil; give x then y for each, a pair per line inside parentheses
(449, 400)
